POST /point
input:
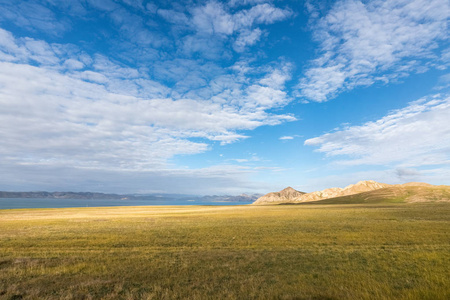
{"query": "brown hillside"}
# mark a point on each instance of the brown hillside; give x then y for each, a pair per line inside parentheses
(287, 195)
(362, 186)
(292, 196)
(393, 194)
(368, 191)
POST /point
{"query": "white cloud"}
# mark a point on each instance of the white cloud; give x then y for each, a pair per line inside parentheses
(212, 18)
(215, 19)
(108, 116)
(261, 14)
(323, 82)
(92, 76)
(262, 97)
(32, 16)
(73, 64)
(247, 38)
(443, 82)
(416, 135)
(377, 41)
(233, 3)
(286, 137)
(278, 76)
(251, 159)
(113, 70)
(173, 16)
(81, 123)
(41, 52)
(156, 91)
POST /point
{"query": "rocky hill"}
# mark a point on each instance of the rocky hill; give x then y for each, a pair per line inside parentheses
(287, 195)
(409, 192)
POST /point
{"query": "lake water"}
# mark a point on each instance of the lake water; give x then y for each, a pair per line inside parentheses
(10, 203)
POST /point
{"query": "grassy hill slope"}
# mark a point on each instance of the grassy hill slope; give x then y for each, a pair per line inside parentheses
(393, 194)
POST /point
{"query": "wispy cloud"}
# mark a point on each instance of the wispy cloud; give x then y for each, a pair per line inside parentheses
(214, 17)
(33, 16)
(377, 41)
(215, 20)
(247, 38)
(443, 82)
(414, 136)
(286, 137)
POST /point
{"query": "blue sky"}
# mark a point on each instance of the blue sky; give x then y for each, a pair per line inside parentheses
(222, 97)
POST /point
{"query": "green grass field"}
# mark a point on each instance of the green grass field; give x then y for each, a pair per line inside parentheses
(376, 251)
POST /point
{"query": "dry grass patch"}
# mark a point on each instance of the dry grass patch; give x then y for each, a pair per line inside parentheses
(248, 252)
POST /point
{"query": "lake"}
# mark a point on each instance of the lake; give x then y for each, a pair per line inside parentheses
(10, 203)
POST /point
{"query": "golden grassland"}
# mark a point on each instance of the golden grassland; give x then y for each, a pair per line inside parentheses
(376, 251)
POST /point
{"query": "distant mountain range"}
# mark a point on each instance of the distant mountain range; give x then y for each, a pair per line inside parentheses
(368, 191)
(89, 195)
(61, 195)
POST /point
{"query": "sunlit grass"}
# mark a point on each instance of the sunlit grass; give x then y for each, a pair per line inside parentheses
(384, 251)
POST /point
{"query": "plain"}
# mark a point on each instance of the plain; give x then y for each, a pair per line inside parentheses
(362, 251)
